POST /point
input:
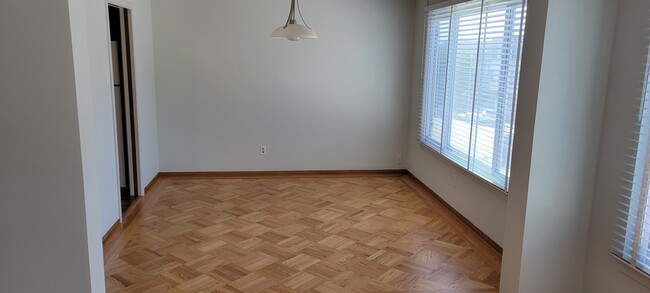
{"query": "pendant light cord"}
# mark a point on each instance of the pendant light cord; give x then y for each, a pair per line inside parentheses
(300, 13)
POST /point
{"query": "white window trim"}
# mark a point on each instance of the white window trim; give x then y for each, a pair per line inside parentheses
(632, 272)
(428, 144)
(444, 4)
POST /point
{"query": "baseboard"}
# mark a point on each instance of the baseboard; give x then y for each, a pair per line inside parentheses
(132, 218)
(133, 209)
(151, 183)
(127, 217)
(111, 231)
(262, 174)
(458, 215)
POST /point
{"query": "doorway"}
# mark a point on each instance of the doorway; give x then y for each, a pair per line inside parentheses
(124, 98)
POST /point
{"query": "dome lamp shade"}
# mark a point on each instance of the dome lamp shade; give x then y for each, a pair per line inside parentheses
(292, 30)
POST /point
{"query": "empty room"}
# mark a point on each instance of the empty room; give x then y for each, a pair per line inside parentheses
(442, 146)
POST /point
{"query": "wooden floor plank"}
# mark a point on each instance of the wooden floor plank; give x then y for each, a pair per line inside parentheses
(325, 233)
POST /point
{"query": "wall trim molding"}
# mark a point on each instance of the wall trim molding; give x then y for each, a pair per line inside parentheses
(153, 181)
(110, 231)
(131, 211)
(459, 216)
(117, 239)
(297, 173)
(127, 218)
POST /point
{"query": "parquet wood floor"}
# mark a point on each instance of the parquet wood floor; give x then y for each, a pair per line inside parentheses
(315, 234)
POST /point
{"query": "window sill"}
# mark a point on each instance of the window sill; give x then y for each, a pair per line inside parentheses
(632, 272)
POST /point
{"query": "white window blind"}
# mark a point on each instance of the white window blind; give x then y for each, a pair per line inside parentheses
(632, 241)
(470, 83)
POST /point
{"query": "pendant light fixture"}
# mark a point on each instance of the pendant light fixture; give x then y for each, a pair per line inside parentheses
(292, 30)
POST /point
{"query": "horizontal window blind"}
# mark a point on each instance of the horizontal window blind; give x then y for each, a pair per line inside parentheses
(470, 83)
(632, 241)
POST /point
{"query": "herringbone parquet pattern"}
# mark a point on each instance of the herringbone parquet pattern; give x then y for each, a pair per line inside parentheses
(337, 234)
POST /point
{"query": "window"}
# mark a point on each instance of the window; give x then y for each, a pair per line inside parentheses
(470, 83)
(633, 237)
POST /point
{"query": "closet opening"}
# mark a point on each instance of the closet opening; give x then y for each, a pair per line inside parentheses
(125, 104)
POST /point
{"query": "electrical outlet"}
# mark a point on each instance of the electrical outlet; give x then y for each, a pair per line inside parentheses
(400, 160)
(262, 150)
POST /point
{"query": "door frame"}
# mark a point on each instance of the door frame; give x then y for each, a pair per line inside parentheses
(130, 78)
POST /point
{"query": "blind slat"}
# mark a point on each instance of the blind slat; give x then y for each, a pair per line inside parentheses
(632, 235)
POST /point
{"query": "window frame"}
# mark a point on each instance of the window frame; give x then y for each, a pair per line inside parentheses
(444, 147)
(634, 191)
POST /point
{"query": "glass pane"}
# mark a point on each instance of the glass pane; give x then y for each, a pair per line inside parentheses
(436, 58)
(471, 74)
(461, 79)
(496, 85)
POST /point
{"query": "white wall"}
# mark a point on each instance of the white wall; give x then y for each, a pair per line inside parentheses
(88, 142)
(480, 203)
(603, 272)
(225, 87)
(145, 91)
(548, 212)
(50, 231)
(102, 113)
(105, 161)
